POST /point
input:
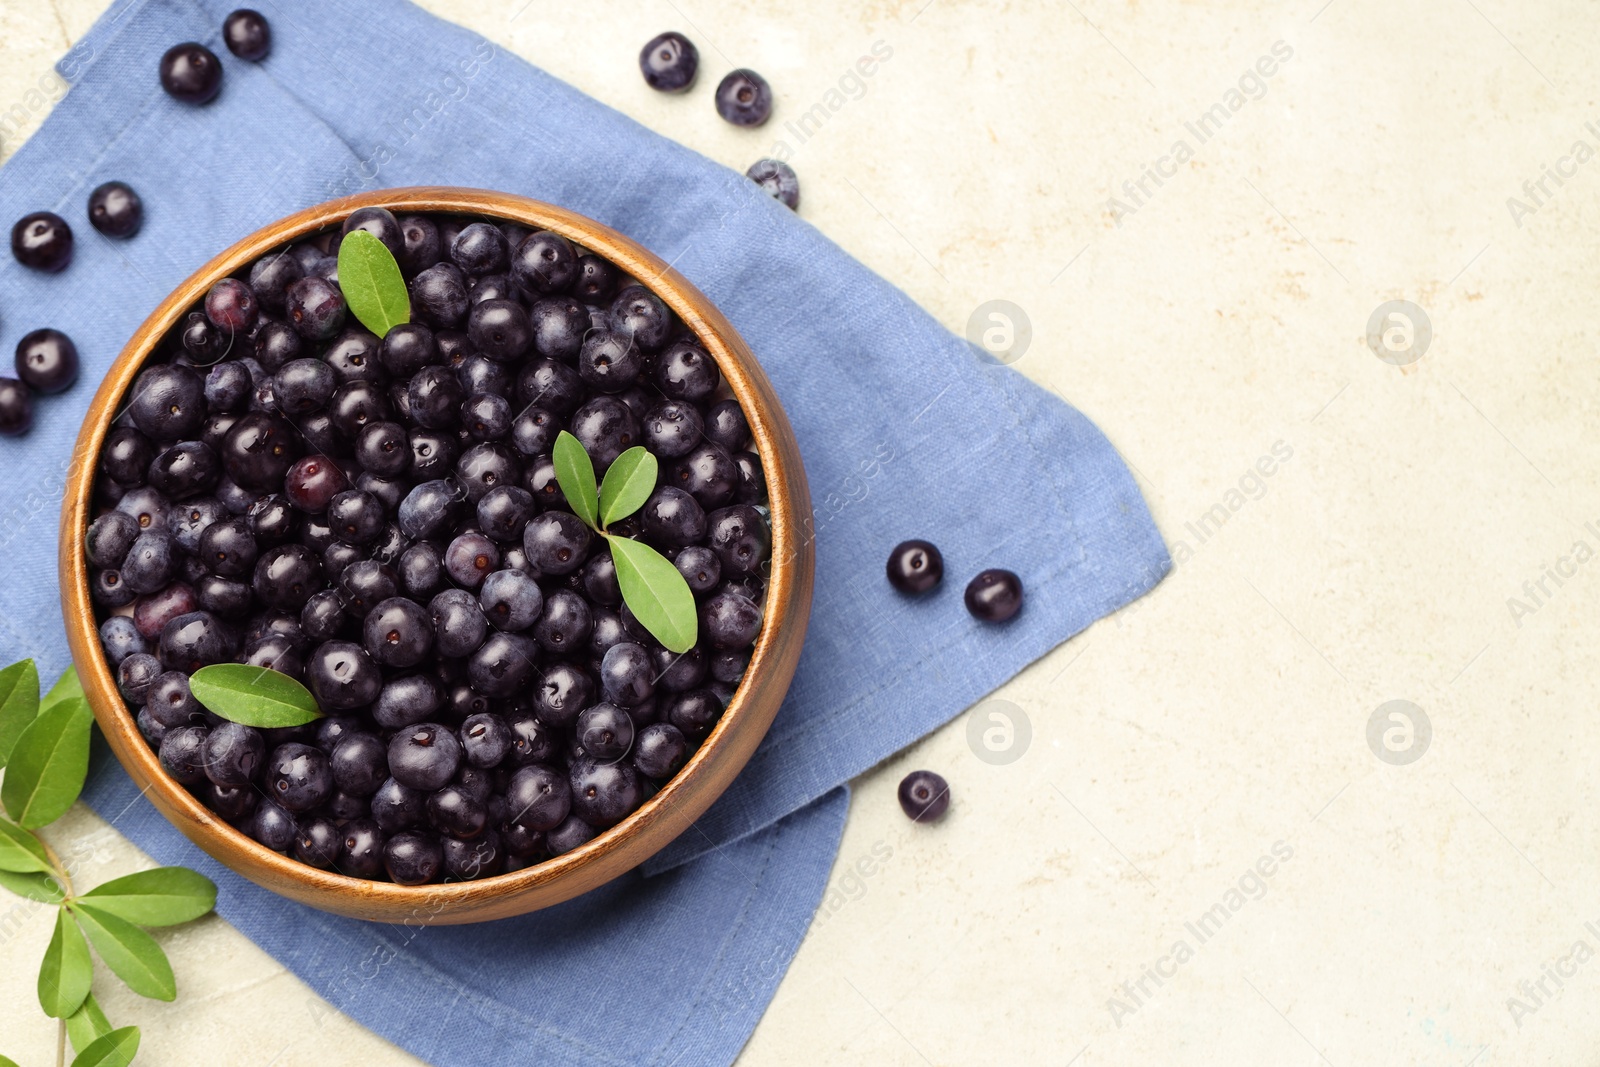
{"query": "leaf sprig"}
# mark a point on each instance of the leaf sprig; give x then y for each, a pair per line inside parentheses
(654, 591)
(44, 746)
(373, 287)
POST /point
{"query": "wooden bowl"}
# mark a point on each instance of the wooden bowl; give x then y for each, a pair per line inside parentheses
(611, 853)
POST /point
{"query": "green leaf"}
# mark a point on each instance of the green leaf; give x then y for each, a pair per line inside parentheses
(48, 765)
(7, 1061)
(66, 971)
(254, 696)
(165, 896)
(629, 481)
(20, 850)
(67, 687)
(656, 593)
(575, 475)
(87, 1024)
(115, 1049)
(371, 282)
(33, 885)
(132, 954)
(19, 703)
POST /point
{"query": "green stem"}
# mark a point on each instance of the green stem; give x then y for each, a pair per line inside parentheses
(61, 869)
(61, 1043)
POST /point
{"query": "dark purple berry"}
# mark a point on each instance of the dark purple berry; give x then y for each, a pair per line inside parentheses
(439, 294)
(538, 797)
(361, 849)
(503, 665)
(169, 403)
(312, 482)
(341, 675)
(669, 62)
(116, 210)
(730, 621)
(192, 74)
(660, 751)
(456, 812)
(700, 566)
(317, 842)
(512, 601)
(995, 595)
(924, 796)
(408, 700)
(233, 754)
(420, 244)
(409, 348)
(915, 567)
(183, 754)
(744, 98)
(425, 756)
(603, 794)
(231, 306)
(777, 179)
(569, 835)
(708, 474)
(685, 371)
(315, 307)
(413, 858)
(398, 632)
(480, 248)
(557, 542)
(43, 241)
(47, 361)
(16, 408)
(380, 223)
(544, 263)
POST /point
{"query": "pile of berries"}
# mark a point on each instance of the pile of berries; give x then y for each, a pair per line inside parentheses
(381, 519)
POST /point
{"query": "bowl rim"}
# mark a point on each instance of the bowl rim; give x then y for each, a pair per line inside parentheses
(662, 817)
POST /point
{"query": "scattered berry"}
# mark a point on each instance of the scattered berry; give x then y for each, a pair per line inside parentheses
(915, 567)
(778, 180)
(669, 62)
(16, 408)
(43, 241)
(116, 210)
(191, 73)
(994, 595)
(924, 796)
(247, 35)
(744, 98)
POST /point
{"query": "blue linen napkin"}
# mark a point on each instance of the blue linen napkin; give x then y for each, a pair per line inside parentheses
(905, 430)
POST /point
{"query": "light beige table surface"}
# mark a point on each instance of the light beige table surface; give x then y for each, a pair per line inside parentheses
(1431, 912)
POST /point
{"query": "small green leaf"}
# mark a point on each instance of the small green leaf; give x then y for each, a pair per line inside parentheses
(254, 696)
(7, 1061)
(20, 850)
(66, 971)
(628, 483)
(33, 885)
(87, 1024)
(575, 475)
(371, 282)
(67, 687)
(165, 896)
(19, 703)
(656, 593)
(132, 954)
(115, 1049)
(48, 765)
